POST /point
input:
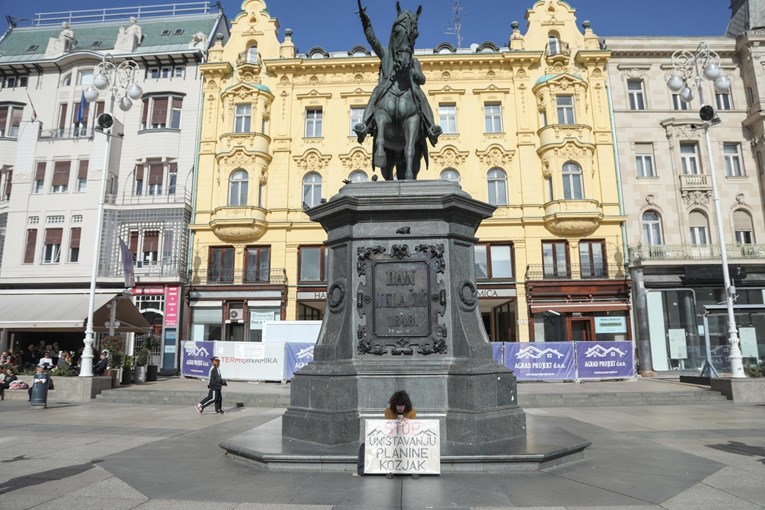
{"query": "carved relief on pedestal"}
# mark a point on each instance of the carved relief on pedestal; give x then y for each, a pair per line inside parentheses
(696, 197)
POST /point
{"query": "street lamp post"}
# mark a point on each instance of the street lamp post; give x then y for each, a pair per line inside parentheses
(117, 80)
(690, 70)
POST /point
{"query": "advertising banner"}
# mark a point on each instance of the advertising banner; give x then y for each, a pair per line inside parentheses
(498, 352)
(171, 306)
(402, 447)
(251, 361)
(544, 361)
(605, 360)
(195, 358)
(296, 356)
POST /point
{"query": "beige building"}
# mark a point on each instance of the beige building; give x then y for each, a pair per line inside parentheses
(527, 128)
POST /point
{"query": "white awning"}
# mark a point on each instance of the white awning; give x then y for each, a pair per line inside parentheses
(67, 311)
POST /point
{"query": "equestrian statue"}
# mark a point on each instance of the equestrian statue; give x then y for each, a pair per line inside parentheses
(398, 115)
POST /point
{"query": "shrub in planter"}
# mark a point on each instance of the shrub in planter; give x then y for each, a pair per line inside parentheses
(127, 370)
(755, 371)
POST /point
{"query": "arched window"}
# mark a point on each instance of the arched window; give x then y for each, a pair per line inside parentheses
(358, 176)
(572, 182)
(237, 188)
(652, 228)
(451, 175)
(311, 190)
(497, 181)
(553, 44)
(742, 227)
(252, 55)
(699, 228)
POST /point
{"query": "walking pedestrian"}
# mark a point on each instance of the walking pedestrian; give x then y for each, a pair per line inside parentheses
(215, 383)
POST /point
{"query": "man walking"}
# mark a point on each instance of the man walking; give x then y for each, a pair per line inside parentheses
(214, 384)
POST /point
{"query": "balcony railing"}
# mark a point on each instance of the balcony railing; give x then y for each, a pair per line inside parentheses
(570, 272)
(695, 182)
(66, 133)
(238, 277)
(695, 251)
(168, 267)
(179, 196)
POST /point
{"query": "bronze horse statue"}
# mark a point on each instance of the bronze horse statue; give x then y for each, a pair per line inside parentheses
(398, 114)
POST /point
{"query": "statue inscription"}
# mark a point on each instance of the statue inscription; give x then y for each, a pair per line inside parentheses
(401, 299)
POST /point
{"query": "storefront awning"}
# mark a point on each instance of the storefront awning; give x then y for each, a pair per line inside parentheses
(578, 307)
(68, 311)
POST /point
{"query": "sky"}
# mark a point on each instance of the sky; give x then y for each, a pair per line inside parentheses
(333, 24)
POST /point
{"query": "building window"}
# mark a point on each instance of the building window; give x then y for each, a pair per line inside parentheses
(592, 259)
(238, 188)
(150, 248)
(492, 114)
(679, 104)
(29, 247)
(82, 176)
(220, 265)
(85, 77)
(11, 82)
(644, 160)
(52, 246)
(313, 123)
(10, 120)
(497, 182)
(732, 154)
(6, 183)
(451, 175)
(160, 112)
(447, 118)
(252, 55)
(553, 44)
(555, 259)
(160, 72)
(39, 182)
(572, 182)
(652, 228)
(257, 263)
(312, 261)
(699, 229)
(311, 190)
(156, 176)
(742, 227)
(242, 117)
(172, 178)
(689, 158)
(60, 181)
(74, 244)
(358, 176)
(494, 261)
(723, 101)
(565, 107)
(357, 116)
(636, 94)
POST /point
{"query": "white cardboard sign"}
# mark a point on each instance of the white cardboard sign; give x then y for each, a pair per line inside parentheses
(402, 447)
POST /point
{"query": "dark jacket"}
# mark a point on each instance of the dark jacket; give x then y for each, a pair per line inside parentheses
(216, 381)
(100, 367)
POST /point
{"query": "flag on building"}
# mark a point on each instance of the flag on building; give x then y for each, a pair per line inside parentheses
(34, 112)
(127, 264)
(82, 109)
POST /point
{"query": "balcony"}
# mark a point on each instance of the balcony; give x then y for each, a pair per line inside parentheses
(685, 252)
(571, 272)
(573, 217)
(238, 224)
(554, 134)
(179, 196)
(168, 267)
(66, 133)
(251, 142)
(238, 277)
(695, 182)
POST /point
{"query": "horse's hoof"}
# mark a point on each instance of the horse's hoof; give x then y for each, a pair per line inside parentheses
(381, 161)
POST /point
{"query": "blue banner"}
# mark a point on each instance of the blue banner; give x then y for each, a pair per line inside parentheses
(195, 358)
(497, 352)
(543, 361)
(296, 356)
(605, 360)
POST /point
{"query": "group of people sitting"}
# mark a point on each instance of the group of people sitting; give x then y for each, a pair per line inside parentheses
(34, 355)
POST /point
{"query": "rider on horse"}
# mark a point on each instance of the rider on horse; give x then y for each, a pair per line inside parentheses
(389, 65)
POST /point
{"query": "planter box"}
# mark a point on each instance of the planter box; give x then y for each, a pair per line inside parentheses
(748, 391)
(67, 389)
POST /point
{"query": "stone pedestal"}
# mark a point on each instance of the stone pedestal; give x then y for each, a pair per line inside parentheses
(402, 313)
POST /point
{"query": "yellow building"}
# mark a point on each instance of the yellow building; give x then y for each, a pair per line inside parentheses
(527, 128)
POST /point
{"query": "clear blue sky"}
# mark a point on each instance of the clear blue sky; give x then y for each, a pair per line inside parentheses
(334, 25)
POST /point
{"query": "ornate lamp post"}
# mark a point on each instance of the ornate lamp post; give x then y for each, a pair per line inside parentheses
(118, 81)
(691, 68)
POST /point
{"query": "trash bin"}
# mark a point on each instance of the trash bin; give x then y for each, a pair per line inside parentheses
(40, 385)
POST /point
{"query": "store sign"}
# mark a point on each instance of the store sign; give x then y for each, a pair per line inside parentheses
(605, 360)
(172, 296)
(402, 447)
(541, 361)
(610, 325)
(196, 358)
(258, 318)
